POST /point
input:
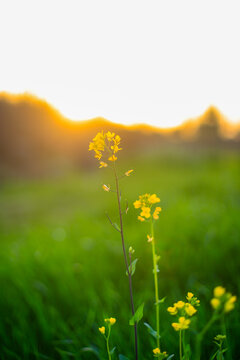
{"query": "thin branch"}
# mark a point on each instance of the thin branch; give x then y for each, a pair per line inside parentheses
(114, 225)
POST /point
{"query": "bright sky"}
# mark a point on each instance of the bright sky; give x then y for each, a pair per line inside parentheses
(154, 61)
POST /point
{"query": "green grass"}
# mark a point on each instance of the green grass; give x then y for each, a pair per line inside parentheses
(61, 263)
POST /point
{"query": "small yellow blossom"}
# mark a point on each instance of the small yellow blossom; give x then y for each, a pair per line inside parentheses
(219, 291)
(102, 164)
(182, 324)
(153, 199)
(106, 188)
(150, 238)
(156, 351)
(172, 310)
(156, 213)
(190, 310)
(102, 330)
(110, 320)
(140, 218)
(179, 305)
(112, 158)
(189, 296)
(229, 305)
(215, 303)
(110, 136)
(146, 212)
(128, 173)
(137, 204)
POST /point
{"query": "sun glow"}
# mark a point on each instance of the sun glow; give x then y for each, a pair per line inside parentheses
(131, 62)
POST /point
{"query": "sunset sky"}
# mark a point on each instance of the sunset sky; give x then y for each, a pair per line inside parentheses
(157, 62)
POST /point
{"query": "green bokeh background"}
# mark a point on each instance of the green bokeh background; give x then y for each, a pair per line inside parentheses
(61, 263)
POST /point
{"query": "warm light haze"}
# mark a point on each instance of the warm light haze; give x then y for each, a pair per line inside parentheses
(155, 62)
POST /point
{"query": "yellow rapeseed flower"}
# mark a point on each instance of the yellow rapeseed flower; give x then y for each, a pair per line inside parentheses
(156, 212)
(112, 158)
(182, 324)
(179, 305)
(150, 238)
(137, 204)
(229, 305)
(190, 310)
(172, 310)
(102, 330)
(156, 351)
(219, 291)
(215, 303)
(140, 218)
(110, 136)
(189, 296)
(153, 199)
(146, 212)
(102, 164)
(106, 188)
(110, 320)
(128, 173)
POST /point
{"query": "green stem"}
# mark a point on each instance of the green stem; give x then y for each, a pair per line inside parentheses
(125, 258)
(180, 344)
(107, 342)
(200, 336)
(155, 284)
(224, 331)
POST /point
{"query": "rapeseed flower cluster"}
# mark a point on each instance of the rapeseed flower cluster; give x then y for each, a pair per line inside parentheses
(223, 301)
(160, 355)
(146, 203)
(106, 142)
(184, 310)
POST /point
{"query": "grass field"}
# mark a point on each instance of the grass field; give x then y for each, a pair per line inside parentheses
(61, 263)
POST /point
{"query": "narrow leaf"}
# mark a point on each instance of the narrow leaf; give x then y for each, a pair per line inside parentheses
(122, 357)
(112, 351)
(132, 267)
(137, 316)
(151, 331)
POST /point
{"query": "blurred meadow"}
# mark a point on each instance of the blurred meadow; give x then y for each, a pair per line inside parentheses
(61, 264)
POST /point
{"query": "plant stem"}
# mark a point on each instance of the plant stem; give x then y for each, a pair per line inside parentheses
(155, 284)
(107, 342)
(180, 344)
(201, 335)
(125, 258)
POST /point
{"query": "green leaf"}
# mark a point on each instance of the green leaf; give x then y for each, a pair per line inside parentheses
(116, 227)
(92, 350)
(132, 267)
(122, 357)
(112, 351)
(151, 331)
(161, 301)
(170, 357)
(137, 316)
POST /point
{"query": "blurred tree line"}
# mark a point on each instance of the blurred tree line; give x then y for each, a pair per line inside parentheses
(35, 139)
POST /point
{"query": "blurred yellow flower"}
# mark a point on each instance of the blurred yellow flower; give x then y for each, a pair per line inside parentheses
(153, 199)
(179, 305)
(156, 351)
(102, 330)
(156, 212)
(140, 218)
(219, 291)
(172, 310)
(103, 164)
(189, 296)
(110, 320)
(215, 303)
(106, 188)
(128, 173)
(190, 310)
(229, 305)
(137, 204)
(150, 238)
(182, 324)
(112, 158)
(146, 212)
